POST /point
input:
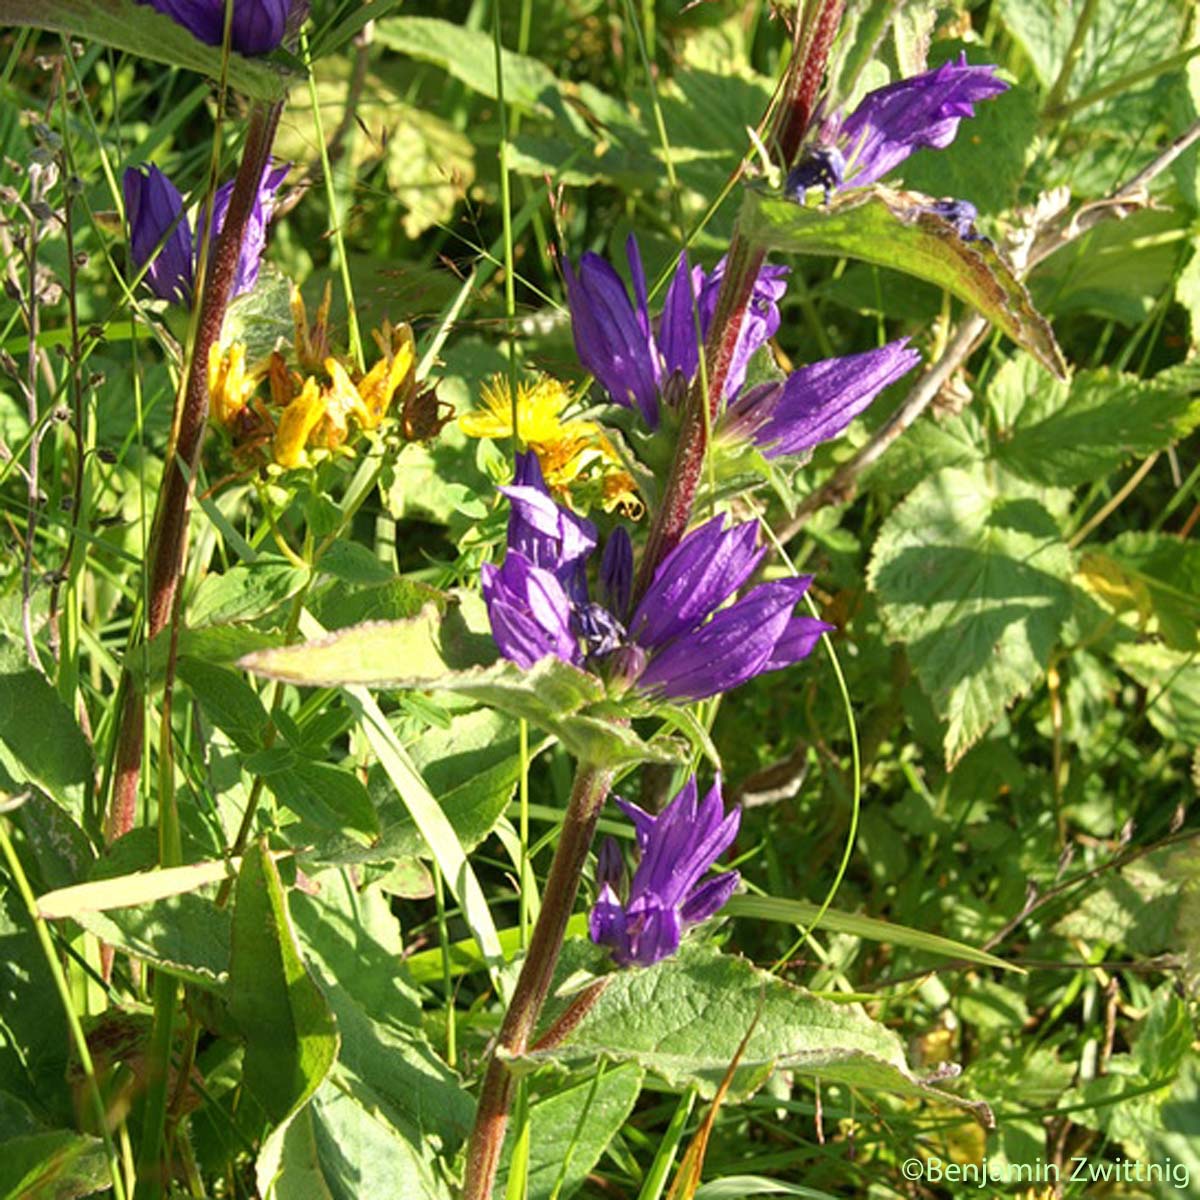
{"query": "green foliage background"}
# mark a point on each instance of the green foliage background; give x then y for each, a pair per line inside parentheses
(1015, 585)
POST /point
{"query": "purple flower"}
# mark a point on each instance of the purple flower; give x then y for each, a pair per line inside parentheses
(890, 123)
(153, 206)
(815, 403)
(680, 642)
(666, 896)
(612, 334)
(257, 26)
(616, 339)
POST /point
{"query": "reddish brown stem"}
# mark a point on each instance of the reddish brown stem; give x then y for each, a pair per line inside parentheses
(533, 984)
(168, 541)
(679, 496)
(815, 31)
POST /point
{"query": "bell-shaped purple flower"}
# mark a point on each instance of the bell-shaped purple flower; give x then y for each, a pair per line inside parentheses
(153, 206)
(154, 209)
(634, 362)
(680, 642)
(254, 238)
(666, 896)
(257, 26)
(817, 402)
(612, 334)
(889, 124)
(694, 293)
(530, 613)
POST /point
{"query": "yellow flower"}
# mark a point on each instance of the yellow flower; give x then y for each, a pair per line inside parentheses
(396, 371)
(230, 386)
(312, 341)
(576, 458)
(297, 422)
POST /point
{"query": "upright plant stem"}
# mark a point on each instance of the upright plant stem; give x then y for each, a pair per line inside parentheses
(168, 540)
(491, 1118)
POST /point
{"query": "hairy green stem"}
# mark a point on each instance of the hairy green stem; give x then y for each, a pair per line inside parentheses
(169, 536)
(495, 1100)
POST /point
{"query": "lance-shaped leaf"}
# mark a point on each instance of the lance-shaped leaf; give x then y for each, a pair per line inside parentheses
(686, 1017)
(896, 229)
(439, 652)
(291, 1036)
(138, 29)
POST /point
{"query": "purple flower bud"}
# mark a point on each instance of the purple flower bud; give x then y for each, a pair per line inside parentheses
(677, 847)
(257, 26)
(153, 206)
(698, 576)
(616, 572)
(962, 214)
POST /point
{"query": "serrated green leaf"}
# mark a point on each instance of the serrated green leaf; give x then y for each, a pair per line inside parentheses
(418, 654)
(187, 936)
(1168, 568)
(1064, 435)
(890, 229)
(126, 25)
(974, 582)
(685, 1017)
(327, 796)
(291, 1036)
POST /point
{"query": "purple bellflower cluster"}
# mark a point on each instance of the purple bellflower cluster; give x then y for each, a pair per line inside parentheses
(256, 26)
(646, 923)
(674, 643)
(643, 363)
(154, 206)
(889, 124)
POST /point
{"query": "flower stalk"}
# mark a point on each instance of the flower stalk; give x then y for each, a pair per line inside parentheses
(533, 985)
(168, 540)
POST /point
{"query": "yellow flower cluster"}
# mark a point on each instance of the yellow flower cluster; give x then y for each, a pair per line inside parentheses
(311, 409)
(576, 457)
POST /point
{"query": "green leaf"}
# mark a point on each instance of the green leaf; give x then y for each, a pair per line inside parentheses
(187, 936)
(228, 701)
(133, 27)
(570, 1129)
(1172, 683)
(1118, 270)
(59, 1165)
(972, 577)
(40, 742)
(340, 1148)
(472, 767)
(329, 797)
(244, 592)
(889, 228)
(1059, 434)
(291, 1037)
(420, 653)
(469, 56)
(685, 1017)
(343, 604)
(1169, 570)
